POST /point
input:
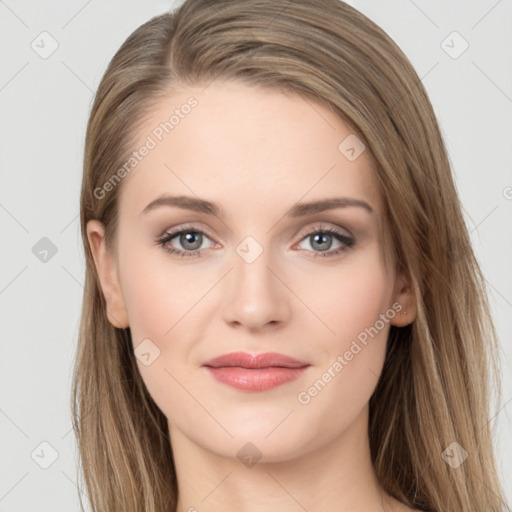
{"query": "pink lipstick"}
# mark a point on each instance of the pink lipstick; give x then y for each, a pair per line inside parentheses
(255, 372)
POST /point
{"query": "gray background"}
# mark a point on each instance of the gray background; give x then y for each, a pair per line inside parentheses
(45, 103)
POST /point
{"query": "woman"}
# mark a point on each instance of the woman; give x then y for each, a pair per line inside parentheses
(325, 340)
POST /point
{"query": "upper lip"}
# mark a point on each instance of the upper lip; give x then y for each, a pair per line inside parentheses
(245, 360)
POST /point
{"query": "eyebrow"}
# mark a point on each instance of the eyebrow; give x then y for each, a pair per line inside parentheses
(297, 210)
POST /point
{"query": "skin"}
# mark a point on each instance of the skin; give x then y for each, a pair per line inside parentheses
(256, 153)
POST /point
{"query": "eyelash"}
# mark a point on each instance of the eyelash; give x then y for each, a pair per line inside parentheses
(348, 241)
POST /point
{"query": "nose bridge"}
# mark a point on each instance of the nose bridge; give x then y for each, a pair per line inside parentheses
(255, 296)
(252, 266)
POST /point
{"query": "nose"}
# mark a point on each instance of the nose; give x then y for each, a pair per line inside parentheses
(256, 296)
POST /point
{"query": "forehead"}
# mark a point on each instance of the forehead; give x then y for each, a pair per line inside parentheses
(246, 148)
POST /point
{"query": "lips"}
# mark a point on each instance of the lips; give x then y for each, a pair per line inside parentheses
(250, 361)
(258, 372)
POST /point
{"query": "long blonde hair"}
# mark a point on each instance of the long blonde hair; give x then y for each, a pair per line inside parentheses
(435, 387)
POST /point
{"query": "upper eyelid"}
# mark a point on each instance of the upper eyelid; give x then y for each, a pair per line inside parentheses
(178, 230)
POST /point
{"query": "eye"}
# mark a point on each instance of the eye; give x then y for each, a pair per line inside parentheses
(191, 239)
(321, 240)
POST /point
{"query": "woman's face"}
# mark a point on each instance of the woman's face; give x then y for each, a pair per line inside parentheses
(259, 272)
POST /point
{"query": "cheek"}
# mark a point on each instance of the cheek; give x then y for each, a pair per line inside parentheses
(353, 296)
(154, 308)
(350, 361)
(164, 310)
(157, 296)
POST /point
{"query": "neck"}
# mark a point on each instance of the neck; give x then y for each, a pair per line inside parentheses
(337, 476)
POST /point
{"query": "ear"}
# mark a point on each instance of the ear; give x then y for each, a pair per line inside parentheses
(404, 295)
(107, 273)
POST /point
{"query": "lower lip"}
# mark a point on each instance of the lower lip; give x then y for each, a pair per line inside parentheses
(257, 379)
